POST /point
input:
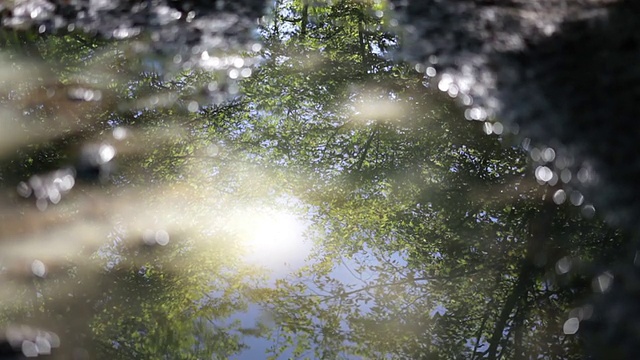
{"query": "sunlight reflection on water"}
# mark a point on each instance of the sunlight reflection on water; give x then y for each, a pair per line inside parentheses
(273, 238)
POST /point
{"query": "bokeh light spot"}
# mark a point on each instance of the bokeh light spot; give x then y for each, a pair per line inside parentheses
(571, 326)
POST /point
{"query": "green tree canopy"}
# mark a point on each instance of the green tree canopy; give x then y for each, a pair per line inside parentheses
(432, 240)
(455, 249)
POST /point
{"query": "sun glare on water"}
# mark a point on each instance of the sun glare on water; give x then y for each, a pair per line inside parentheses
(272, 237)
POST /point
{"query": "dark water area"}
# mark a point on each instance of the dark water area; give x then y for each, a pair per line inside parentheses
(351, 179)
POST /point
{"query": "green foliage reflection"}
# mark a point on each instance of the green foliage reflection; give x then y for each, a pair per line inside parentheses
(431, 239)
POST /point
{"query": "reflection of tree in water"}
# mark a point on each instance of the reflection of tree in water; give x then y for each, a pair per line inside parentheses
(482, 240)
(454, 248)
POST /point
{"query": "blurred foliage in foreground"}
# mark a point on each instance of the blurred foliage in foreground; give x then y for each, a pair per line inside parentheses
(432, 240)
(116, 237)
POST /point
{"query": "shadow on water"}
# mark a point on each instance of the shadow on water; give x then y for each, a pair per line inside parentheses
(182, 181)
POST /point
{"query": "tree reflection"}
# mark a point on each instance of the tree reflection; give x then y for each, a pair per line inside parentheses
(452, 246)
(432, 240)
